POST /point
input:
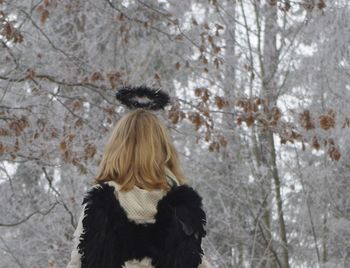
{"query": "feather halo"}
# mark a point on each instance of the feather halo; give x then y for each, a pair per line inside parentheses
(143, 97)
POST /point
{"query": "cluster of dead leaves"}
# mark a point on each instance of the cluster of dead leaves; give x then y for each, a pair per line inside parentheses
(201, 118)
(44, 9)
(175, 114)
(9, 31)
(257, 111)
(75, 158)
(326, 122)
(312, 4)
(14, 128)
(114, 78)
(208, 44)
(306, 4)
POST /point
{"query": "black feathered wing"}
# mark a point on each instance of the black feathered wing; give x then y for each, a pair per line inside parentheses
(109, 238)
(181, 218)
(98, 246)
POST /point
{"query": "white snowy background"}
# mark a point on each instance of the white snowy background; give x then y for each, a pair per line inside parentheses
(260, 117)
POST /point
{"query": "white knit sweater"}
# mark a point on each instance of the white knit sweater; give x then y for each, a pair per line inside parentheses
(140, 206)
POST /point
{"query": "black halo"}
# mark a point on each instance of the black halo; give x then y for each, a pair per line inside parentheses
(158, 99)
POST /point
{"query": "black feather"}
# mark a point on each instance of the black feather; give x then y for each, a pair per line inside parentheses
(173, 241)
(157, 99)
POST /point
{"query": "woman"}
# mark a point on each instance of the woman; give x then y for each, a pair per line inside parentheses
(140, 212)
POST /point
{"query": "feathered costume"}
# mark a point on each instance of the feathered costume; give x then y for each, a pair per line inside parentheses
(110, 234)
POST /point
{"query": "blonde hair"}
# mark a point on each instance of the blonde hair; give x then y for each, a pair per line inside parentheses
(137, 153)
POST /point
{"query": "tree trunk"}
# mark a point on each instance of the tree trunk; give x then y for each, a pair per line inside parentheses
(270, 93)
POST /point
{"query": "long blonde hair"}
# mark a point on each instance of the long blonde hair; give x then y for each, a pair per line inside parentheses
(137, 153)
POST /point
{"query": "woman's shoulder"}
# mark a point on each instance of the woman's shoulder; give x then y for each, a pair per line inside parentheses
(99, 193)
(178, 192)
(142, 204)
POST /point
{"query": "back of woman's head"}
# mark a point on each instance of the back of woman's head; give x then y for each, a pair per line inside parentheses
(137, 153)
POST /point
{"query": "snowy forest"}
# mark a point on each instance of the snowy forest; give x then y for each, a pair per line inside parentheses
(259, 116)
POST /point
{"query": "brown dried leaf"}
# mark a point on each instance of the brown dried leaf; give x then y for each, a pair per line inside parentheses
(196, 119)
(205, 110)
(44, 15)
(174, 114)
(179, 37)
(306, 120)
(79, 123)
(114, 79)
(96, 76)
(89, 151)
(110, 111)
(334, 153)
(295, 136)
(63, 146)
(198, 92)
(247, 67)
(276, 115)
(70, 137)
(214, 146)
(174, 117)
(8, 31)
(327, 122)
(249, 119)
(121, 16)
(205, 95)
(315, 143)
(286, 7)
(220, 102)
(321, 4)
(19, 125)
(216, 49)
(40, 8)
(76, 105)
(223, 141)
(18, 37)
